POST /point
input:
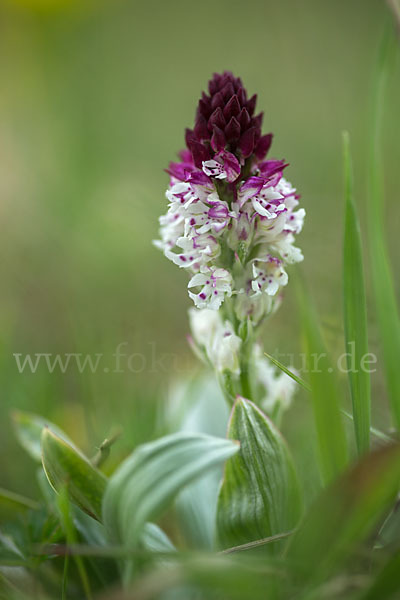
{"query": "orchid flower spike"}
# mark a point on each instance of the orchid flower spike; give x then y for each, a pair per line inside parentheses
(232, 216)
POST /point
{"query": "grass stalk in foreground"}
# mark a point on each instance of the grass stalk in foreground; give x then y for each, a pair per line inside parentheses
(382, 280)
(355, 311)
(332, 442)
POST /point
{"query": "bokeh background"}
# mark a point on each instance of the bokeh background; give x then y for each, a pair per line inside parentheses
(93, 104)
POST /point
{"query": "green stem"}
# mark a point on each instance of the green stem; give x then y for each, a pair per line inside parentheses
(246, 368)
(245, 383)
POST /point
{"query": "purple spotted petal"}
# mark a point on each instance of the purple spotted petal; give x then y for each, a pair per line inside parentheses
(271, 167)
(231, 165)
(250, 188)
(198, 177)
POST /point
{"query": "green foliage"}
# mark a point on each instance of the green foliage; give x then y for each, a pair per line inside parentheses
(65, 466)
(345, 514)
(386, 585)
(332, 443)
(347, 545)
(28, 429)
(355, 311)
(259, 496)
(67, 523)
(14, 503)
(148, 480)
(382, 280)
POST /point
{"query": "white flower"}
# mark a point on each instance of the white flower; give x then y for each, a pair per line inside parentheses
(278, 387)
(224, 166)
(203, 325)
(194, 252)
(268, 276)
(283, 245)
(215, 284)
(269, 229)
(295, 220)
(269, 203)
(224, 349)
(250, 229)
(212, 168)
(217, 339)
(255, 306)
(212, 215)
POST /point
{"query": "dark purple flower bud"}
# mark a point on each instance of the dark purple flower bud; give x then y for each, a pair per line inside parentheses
(246, 142)
(213, 84)
(257, 121)
(225, 121)
(244, 119)
(251, 104)
(200, 129)
(227, 91)
(217, 101)
(204, 108)
(242, 96)
(218, 140)
(217, 118)
(189, 135)
(232, 130)
(232, 108)
(199, 153)
(263, 146)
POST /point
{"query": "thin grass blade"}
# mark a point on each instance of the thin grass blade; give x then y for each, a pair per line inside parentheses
(355, 311)
(332, 442)
(382, 279)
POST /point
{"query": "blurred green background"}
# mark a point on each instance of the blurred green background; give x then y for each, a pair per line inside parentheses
(93, 103)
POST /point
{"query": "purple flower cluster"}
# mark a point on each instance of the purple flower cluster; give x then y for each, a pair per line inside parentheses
(231, 220)
(225, 120)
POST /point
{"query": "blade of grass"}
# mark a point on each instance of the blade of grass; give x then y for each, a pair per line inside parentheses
(295, 377)
(386, 584)
(344, 515)
(376, 432)
(257, 543)
(382, 281)
(355, 311)
(64, 507)
(332, 442)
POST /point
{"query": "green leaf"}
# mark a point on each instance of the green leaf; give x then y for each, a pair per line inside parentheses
(376, 432)
(65, 465)
(196, 505)
(64, 507)
(355, 311)
(387, 582)
(154, 539)
(345, 514)
(150, 477)
(211, 577)
(332, 443)
(382, 279)
(259, 496)
(147, 481)
(28, 429)
(10, 554)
